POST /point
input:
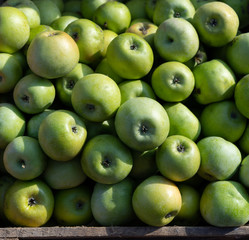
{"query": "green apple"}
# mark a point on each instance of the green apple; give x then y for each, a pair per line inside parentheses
(216, 23)
(62, 134)
(111, 204)
(64, 85)
(72, 6)
(109, 35)
(34, 123)
(178, 158)
(145, 30)
(96, 97)
(24, 159)
(182, 121)
(220, 159)
(105, 159)
(33, 94)
(198, 3)
(62, 22)
(243, 171)
(49, 11)
(150, 8)
(135, 88)
(30, 10)
(214, 81)
(12, 122)
(139, 20)
(64, 175)
(136, 8)
(142, 123)
(173, 81)
(14, 30)
(217, 118)
(89, 38)
(225, 204)
(59, 4)
(52, 54)
(113, 15)
(36, 30)
(104, 68)
(243, 142)
(72, 207)
(180, 42)
(160, 197)
(165, 9)
(21, 58)
(10, 72)
(130, 56)
(29, 203)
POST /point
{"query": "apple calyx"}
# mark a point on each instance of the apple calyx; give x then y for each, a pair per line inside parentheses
(171, 214)
(143, 129)
(180, 148)
(22, 163)
(213, 22)
(176, 80)
(144, 29)
(32, 201)
(90, 107)
(70, 84)
(177, 14)
(79, 205)
(233, 115)
(75, 36)
(74, 129)
(106, 162)
(25, 98)
(133, 47)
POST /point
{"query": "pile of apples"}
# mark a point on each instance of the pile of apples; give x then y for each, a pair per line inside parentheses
(116, 113)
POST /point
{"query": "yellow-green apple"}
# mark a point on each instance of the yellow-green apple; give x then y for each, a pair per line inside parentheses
(225, 204)
(142, 123)
(64, 85)
(64, 175)
(62, 134)
(160, 197)
(170, 44)
(136, 8)
(33, 94)
(130, 56)
(109, 35)
(135, 88)
(111, 204)
(52, 54)
(243, 171)
(182, 120)
(72, 207)
(165, 9)
(220, 159)
(11, 72)
(216, 23)
(216, 118)
(89, 38)
(96, 97)
(14, 29)
(172, 81)
(29, 203)
(105, 159)
(113, 15)
(24, 159)
(214, 81)
(178, 158)
(30, 10)
(62, 22)
(12, 122)
(243, 142)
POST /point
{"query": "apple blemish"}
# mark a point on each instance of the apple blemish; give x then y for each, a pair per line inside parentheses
(176, 80)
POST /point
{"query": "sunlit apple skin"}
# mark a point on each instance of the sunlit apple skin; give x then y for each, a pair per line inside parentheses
(62, 22)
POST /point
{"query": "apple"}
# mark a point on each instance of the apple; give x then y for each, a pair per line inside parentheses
(136, 8)
(182, 121)
(113, 15)
(225, 204)
(64, 175)
(243, 142)
(72, 6)
(216, 118)
(49, 11)
(216, 23)
(28, 203)
(105, 159)
(21, 58)
(170, 44)
(109, 35)
(62, 134)
(89, 38)
(28, 8)
(198, 3)
(62, 22)
(12, 122)
(64, 85)
(130, 56)
(59, 4)
(220, 159)
(17, 25)
(72, 207)
(11, 72)
(178, 158)
(139, 20)
(24, 159)
(160, 197)
(150, 8)
(142, 123)
(33, 94)
(52, 54)
(135, 88)
(111, 204)
(214, 81)
(243, 171)
(96, 97)
(172, 81)
(165, 9)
